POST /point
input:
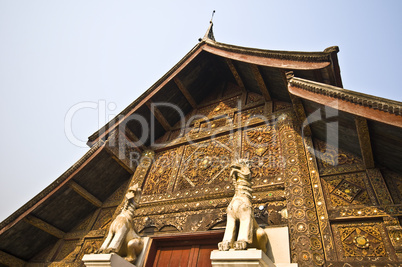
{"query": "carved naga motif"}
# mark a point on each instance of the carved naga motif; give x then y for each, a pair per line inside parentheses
(241, 224)
(122, 238)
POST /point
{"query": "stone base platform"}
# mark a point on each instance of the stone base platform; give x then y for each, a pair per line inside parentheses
(105, 260)
(245, 258)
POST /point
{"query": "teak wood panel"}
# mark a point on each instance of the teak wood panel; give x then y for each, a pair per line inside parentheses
(195, 255)
(172, 256)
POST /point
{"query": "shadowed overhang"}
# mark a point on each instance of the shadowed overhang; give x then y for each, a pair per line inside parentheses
(62, 205)
(383, 118)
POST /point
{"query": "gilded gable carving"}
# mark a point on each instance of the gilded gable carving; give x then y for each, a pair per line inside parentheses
(361, 241)
(212, 125)
(261, 146)
(346, 189)
(206, 163)
(396, 238)
(332, 160)
(200, 220)
(219, 108)
(163, 172)
(90, 245)
(251, 115)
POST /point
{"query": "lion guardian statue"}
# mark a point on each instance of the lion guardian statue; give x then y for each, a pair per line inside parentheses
(242, 230)
(122, 238)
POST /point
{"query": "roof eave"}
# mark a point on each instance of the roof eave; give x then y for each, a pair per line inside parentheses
(367, 106)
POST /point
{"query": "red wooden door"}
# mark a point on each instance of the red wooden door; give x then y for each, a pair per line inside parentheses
(189, 250)
(172, 256)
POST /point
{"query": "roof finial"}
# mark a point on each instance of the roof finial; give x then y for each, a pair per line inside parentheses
(212, 17)
(209, 35)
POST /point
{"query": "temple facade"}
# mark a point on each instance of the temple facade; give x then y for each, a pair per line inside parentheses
(325, 167)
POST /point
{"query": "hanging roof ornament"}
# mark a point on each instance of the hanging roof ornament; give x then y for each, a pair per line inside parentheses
(209, 35)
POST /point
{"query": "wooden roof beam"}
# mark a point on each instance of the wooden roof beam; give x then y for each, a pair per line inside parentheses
(44, 226)
(132, 137)
(118, 160)
(158, 115)
(85, 194)
(261, 84)
(365, 143)
(10, 260)
(185, 92)
(235, 73)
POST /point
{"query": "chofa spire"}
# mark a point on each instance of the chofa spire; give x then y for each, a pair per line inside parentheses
(209, 35)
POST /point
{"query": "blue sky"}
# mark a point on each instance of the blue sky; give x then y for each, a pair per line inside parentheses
(57, 54)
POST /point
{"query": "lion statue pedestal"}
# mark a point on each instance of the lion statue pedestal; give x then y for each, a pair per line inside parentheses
(244, 258)
(105, 260)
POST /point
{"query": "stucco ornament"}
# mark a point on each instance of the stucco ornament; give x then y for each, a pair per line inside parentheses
(122, 238)
(242, 230)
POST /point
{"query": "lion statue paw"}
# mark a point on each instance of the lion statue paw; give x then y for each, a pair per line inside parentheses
(224, 245)
(240, 245)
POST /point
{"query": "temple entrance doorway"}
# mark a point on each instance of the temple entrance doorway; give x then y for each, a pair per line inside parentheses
(185, 250)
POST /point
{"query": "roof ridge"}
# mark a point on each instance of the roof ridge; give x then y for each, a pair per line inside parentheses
(280, 54)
